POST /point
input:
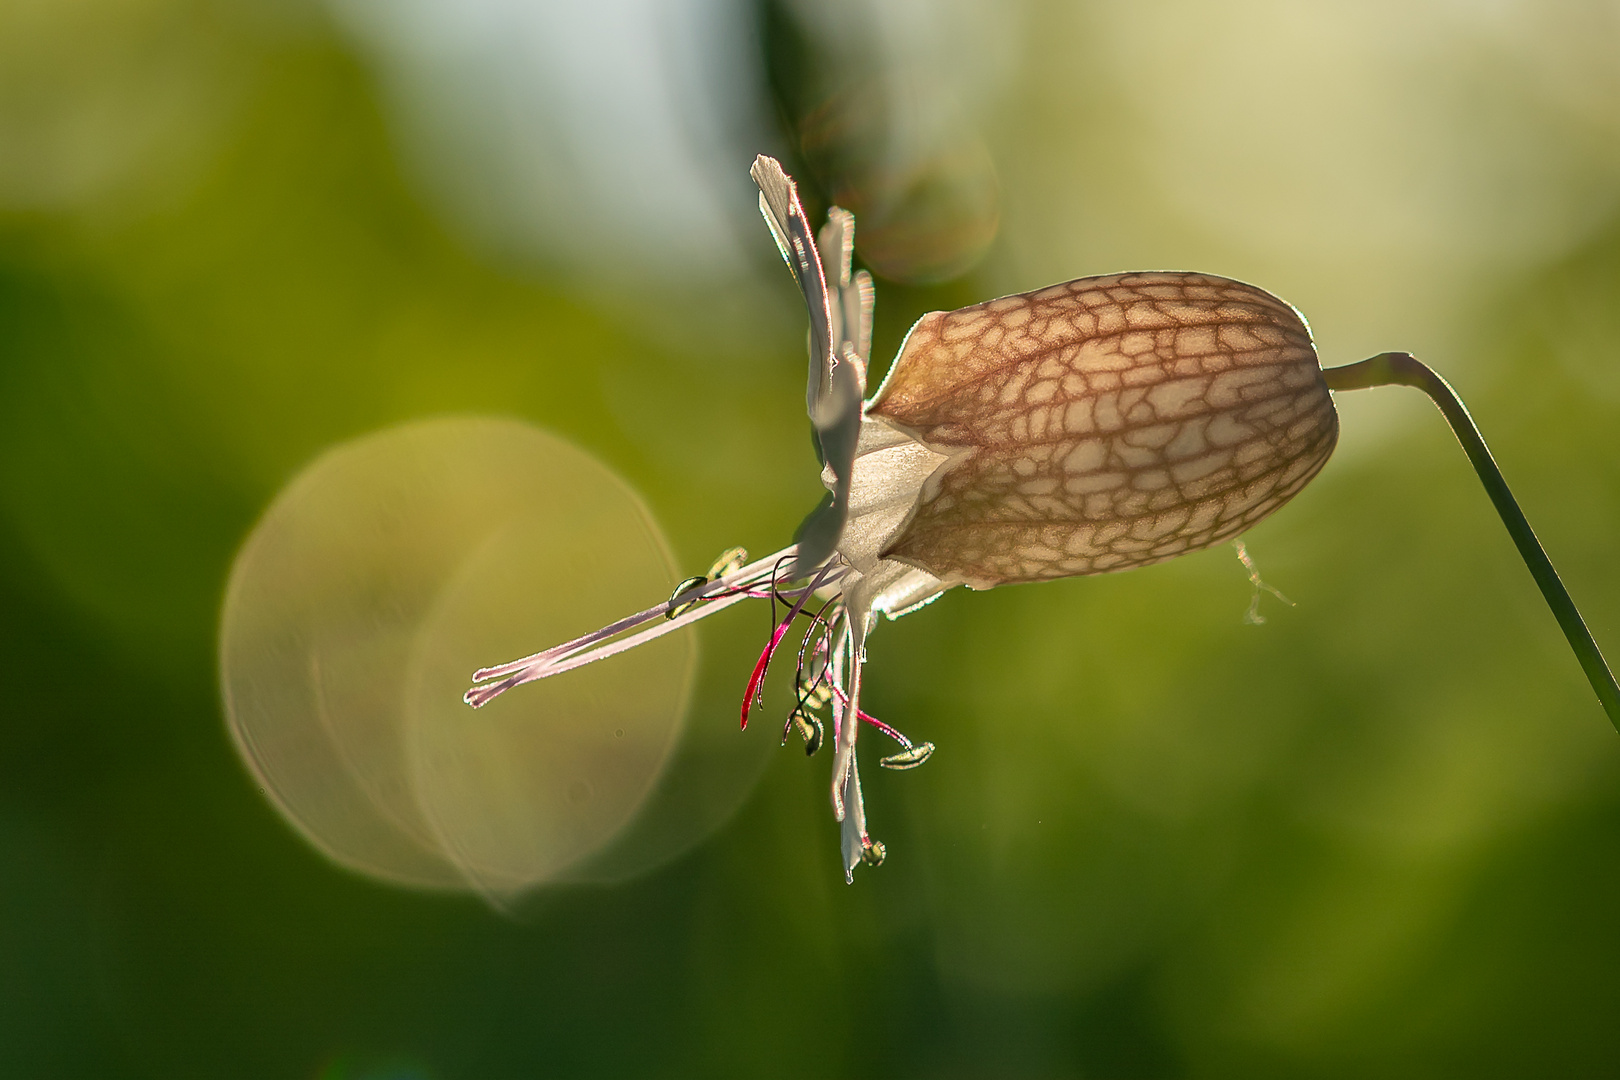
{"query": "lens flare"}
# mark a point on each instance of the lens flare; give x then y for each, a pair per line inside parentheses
(375, 582)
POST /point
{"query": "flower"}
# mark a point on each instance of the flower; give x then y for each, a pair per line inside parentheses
(1091, 427)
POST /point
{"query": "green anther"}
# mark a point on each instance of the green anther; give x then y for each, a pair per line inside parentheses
(730, 561)
(676, 610)
(909, 758)
(816, 695)
(810, 727)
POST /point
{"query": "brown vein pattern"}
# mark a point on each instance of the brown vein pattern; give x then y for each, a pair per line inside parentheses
(1104, 424)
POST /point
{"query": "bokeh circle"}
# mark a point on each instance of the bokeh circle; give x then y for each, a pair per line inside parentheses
(377, 581)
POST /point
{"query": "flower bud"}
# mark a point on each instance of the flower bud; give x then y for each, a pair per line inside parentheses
(1104, 424)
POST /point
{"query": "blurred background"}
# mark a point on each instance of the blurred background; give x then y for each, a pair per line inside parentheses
(243, 241)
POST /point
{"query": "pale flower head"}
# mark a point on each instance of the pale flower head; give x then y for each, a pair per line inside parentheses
(1092, 427)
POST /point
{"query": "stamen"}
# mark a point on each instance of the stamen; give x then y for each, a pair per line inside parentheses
(719, 594)
(909, 758)
(729, 562)
(818, 694)
(911, 754)
(810, 727)
(756, 681)
(813, 692)
(885, 728)
(545, 665)
(776, 591)
(569, 647)
(675, 610)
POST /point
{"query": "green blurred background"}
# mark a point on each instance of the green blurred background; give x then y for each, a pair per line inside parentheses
(1377, 835)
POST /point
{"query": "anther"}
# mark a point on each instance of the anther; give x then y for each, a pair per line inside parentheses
(814, 693)
(810, 727)
(909, 758)
(673, 610)
(730, 561)
(872, 852)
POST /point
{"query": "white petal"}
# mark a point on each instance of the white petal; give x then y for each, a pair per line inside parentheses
(779, 203)
(902, 589)
(889, 472)
(836, 243)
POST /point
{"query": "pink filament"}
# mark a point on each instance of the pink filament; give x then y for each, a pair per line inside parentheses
(757, 679)
(874, 721)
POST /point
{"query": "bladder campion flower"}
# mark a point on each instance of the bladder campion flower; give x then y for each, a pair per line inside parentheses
(1091, 427)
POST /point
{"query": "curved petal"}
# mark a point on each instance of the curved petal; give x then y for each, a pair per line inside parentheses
(779, 205)
(837, 368)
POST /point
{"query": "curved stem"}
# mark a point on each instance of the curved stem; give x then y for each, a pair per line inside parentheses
(1404, 369)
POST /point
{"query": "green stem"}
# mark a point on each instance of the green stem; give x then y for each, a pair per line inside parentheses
(1404, 369)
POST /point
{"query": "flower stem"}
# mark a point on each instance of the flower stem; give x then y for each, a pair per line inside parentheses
(1404, 369)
